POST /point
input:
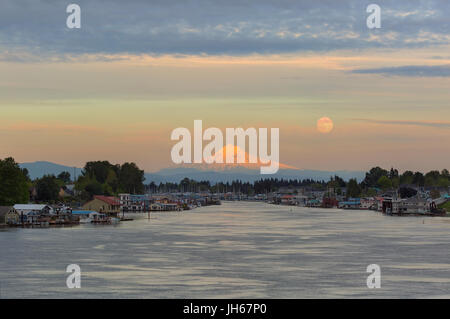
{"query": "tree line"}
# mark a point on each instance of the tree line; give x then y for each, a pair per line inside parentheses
(104, 178)
(97, 178)
(377, 179)
(237, 186)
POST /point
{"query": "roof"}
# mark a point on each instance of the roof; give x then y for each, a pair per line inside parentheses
(349, 203)
(414, 200)
(111, 200)
(96, 213)
(82, 212)
(30, 206)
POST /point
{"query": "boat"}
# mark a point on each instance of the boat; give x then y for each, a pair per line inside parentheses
(85, 220)
(114, 220)
(99, 218)
(411, 207)
(93, 217)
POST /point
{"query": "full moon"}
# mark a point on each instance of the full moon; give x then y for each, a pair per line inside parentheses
(324, 125)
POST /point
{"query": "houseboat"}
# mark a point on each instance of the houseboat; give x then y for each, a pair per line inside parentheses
(9, 216)
(411, 207)
(351, 203)
(44, 215)
(93, 217)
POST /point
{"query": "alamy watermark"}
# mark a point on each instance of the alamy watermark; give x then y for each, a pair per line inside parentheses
(374, 279)
(374, 19)
(74, 19)
(215, 152)
(74, 279)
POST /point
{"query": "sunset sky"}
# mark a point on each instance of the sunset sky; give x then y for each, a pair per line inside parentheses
(117, 87)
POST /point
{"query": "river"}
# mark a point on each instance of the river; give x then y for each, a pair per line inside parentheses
(236, 250)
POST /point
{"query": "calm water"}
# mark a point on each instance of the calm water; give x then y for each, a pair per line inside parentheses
(237, 250)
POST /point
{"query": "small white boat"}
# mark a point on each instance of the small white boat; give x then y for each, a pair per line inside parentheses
(114, 220)
(85, 220)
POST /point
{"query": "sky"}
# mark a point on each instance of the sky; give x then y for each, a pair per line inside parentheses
(115, 88)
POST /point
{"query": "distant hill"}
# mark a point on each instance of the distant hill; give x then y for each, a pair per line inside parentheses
(41, 168)
(245, 175)
(246, 172)
(213, 174)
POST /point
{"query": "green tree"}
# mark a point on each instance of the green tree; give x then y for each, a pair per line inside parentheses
(47, 188)
(431, 178)
(393, 173)
(98, 170)
(131, 178)
(65, 177)
(445, 173)
(87, 187)
(443, 182)
(407, 178)
(373, 176)
(336, 183)
(371, 192)
(395, 182)
(384, 183)
(353, 189)
(184, 184)
(104, 178)
(26, 174)
(112, 182)
(94, 188)
(418, 179)
(14, 183)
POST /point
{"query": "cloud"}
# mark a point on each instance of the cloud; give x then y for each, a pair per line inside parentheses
(232, 27)
(25, 57)
(33, 127)
(438, 57)
(409, 70)
(414, 123)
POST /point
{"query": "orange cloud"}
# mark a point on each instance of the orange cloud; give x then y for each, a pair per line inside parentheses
(51, 128)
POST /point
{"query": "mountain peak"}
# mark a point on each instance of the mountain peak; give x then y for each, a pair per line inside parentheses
(241, 160)
(38, 169)
(210, 172)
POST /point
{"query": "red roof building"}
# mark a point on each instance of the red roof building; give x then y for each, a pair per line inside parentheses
(103, 204)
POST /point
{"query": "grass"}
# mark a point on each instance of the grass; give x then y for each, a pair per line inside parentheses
(446, 205)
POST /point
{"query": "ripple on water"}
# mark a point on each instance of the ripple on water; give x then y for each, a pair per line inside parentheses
(237, 250)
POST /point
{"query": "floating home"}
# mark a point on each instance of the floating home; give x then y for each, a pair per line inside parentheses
(108, 205)
(9, 216)
(411, 206)
(43, 215)
(89, 216)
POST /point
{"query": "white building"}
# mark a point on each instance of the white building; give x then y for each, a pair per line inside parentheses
(25, 209)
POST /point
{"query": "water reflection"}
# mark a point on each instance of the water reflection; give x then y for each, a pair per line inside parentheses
(237, 250)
